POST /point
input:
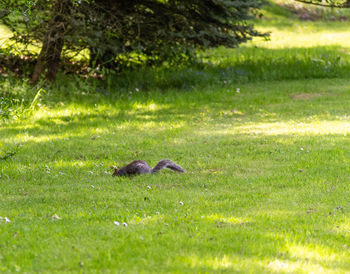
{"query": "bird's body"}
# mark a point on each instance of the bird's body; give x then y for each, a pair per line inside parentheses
(141, 167)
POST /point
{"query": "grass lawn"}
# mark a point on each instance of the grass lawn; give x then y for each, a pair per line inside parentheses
(267, 158)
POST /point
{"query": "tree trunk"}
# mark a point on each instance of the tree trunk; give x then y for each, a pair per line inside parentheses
(53, 41)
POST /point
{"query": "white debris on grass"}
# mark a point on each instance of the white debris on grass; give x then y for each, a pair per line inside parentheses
(118, 224)
(7, 220)
(56, 217)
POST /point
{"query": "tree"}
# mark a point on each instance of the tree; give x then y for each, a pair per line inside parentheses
(53, 41)
(157, 29)
(168, 29)
(42, 21)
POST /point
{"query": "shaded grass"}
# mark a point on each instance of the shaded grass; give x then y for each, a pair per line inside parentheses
(222, 68)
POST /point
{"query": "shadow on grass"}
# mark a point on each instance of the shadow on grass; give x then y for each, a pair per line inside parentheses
(256, 64)
(220, 68)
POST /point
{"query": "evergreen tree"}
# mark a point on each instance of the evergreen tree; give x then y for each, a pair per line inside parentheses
(159, 29)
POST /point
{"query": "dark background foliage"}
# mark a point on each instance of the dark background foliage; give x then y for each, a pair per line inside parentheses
(114, 33)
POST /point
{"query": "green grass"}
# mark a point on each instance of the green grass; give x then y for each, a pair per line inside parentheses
(266, 188)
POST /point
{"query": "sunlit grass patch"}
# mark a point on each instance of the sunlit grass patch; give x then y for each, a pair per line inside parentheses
(222, 220)
(5, 33)
(305, 37)
(297, 128)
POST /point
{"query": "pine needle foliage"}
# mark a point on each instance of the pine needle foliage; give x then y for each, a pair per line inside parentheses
(156, 29)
